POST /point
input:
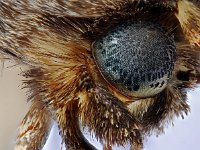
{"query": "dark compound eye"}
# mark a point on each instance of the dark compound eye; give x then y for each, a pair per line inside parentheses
(136, 57)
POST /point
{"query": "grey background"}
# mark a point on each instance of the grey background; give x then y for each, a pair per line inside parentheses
(185, 135)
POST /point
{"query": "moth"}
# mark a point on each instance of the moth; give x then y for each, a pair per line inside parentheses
(121, 68)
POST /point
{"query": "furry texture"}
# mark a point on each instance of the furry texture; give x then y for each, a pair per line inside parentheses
(35, 127)
(54, 39)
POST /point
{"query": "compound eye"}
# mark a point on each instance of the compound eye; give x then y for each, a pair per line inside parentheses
(137, 58)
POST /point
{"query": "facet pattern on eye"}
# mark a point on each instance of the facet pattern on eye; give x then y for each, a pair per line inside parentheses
(136, 57)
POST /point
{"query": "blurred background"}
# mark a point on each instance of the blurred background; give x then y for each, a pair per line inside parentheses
(184, 135)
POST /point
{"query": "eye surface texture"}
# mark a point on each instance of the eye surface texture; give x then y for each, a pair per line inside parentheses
(137, 57)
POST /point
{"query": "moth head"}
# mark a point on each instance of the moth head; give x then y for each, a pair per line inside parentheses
(106, 54)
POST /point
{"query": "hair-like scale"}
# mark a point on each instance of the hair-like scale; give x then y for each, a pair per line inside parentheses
(53, 38)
